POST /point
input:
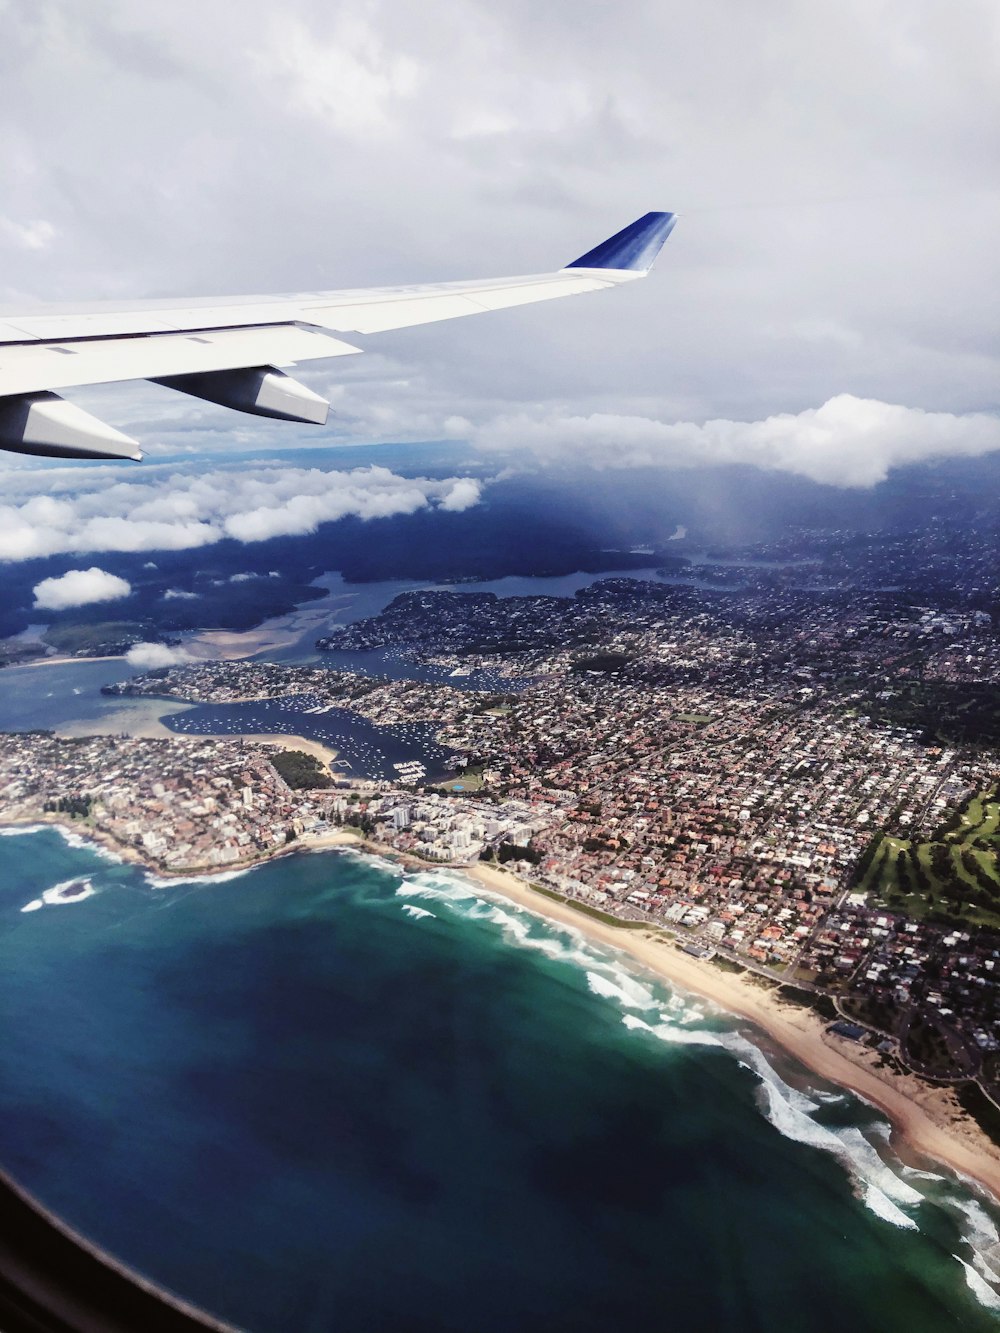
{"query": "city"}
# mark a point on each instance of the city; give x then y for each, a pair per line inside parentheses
(723, 769)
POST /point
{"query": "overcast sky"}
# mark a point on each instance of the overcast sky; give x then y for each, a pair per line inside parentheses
(835, 165)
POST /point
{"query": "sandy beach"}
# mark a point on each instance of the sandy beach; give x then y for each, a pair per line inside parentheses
(928, 1119)
(318, 842)
(324, 753)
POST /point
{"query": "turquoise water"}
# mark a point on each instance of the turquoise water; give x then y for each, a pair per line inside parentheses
(325, 1095)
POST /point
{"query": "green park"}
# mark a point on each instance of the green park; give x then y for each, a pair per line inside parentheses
(953, 876)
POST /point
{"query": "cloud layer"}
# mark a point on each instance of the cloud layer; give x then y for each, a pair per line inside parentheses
(847, 441)
(172, 508)
(80, 587)
(834, 166)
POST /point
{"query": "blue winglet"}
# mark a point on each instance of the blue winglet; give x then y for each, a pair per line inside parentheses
(634, 248)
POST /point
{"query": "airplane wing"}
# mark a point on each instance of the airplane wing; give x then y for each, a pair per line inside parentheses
(228, 350)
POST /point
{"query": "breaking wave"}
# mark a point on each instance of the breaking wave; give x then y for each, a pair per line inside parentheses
(69, 836)
(674, 1035)
(58, 895)
(980, 1288)
(790, 1111)
(888, 1189)
(367, 858)
(80, 843)
(631, 993)
(411, 909)
(154, 881)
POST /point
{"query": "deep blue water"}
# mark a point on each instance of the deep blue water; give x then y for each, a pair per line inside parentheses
(323, 1095)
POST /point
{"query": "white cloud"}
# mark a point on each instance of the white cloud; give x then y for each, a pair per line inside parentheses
(35, 235)
(79, 587)
(150, 655)
(179, 595)
(463, 495)
(847, 441)
(834, 165)
(174, 508)
(350, 82)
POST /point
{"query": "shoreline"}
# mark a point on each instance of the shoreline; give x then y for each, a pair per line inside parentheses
(63, 660)
(924, 1118)
(326, 754)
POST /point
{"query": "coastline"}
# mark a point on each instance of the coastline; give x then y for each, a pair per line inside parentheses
(287, 741)
(925, 1119)
(64, 660)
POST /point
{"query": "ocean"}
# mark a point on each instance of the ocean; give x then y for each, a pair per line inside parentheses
(328, 1094)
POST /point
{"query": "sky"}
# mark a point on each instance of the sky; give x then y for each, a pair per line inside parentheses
(826, 305)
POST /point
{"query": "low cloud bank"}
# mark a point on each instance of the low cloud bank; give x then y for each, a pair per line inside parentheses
(79, 587)
(177, 509)
(847, 442)
(151, 655)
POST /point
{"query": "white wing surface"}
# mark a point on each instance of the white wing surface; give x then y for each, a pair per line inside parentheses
(228, 350)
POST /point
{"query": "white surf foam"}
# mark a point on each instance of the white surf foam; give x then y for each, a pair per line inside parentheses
(411, 909)
(753, 1058)
(980, 1229)
(429, 885)
(875, 1169)
(411, 890)
(80, 843)
(875, 1201)
(981, 1235)
(877, 1185)
(619, 985)
(175, 881)
(69, 836)
(55, 897)
(676, 1036)
(634, 992)
(372, 859)
(518, 926)
(980, 1288)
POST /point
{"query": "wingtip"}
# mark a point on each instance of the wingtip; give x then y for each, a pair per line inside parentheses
(634, 248)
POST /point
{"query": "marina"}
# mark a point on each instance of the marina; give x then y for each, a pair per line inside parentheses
(364, 750)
